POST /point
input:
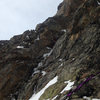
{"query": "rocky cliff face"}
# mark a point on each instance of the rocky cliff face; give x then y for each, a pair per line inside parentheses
(66, 47)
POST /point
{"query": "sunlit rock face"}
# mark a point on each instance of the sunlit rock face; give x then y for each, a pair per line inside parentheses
(60, 56)
(68, 7)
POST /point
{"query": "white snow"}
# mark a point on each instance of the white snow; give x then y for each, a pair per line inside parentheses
(55, 97)
(98, 2)
(20, 47)
(68, 87)
(60, 65)
(37, 39)
(60, 59)
(39, 94)
(64, 30)
(43, 73)
(88, 98)
(36, 71)
(27, 37)
(47, 54)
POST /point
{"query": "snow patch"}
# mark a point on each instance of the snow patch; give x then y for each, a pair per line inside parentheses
(40, 64)
(39, 94)
(73, 59)
(98, 3)
(88, 98)
(60, 59)
(27, 37)
(37, 39)
(43, 73)
(13, 99)
(60, 65)
(47, 54)
(68, 87)
(64, 30)
(48, 48)
(37, 71)
(20, 47)
(55, 97)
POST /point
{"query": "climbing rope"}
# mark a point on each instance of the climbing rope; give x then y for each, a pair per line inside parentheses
(81, 84)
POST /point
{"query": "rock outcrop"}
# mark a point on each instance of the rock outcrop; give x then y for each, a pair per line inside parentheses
(66, 45)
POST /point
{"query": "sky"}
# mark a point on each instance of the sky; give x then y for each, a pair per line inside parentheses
(17, 16)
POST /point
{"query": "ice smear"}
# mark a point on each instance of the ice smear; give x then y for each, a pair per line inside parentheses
(39, 94)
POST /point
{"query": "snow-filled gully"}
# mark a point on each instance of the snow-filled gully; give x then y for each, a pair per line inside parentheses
(39, 94)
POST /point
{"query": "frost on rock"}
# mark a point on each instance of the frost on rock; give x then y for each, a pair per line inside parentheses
(20, 47)
(39, 94)
(47, 54)
(68, 87)
(27, 37)
(40, 64)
